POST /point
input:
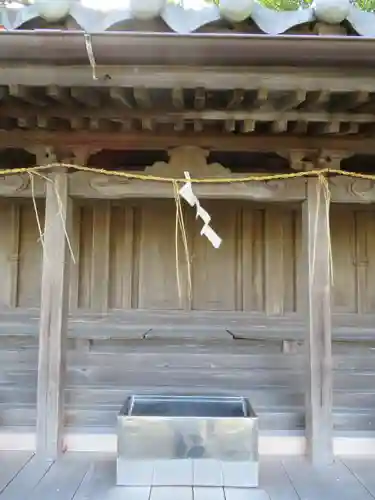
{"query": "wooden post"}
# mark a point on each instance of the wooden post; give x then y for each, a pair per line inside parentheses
(53, 317)
(316, 265)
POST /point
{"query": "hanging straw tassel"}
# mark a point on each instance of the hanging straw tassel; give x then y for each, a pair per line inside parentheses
(323, 185)
(60, 214)
(180, 226)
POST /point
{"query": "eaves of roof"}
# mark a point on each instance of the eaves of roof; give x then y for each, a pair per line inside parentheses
(209, 49)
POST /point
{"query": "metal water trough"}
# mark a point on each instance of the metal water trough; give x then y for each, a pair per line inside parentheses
(187, 441)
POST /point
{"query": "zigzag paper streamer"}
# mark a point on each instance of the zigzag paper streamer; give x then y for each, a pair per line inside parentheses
(188, 195)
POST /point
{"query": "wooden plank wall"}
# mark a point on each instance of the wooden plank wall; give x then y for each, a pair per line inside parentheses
(126, 261)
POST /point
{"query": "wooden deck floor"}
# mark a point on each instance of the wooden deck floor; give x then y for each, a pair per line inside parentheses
(87, 477)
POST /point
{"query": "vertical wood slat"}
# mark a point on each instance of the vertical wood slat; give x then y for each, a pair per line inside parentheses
(157, 282)
(365, 269)
(252, 260)
(100, 256)
(213, 291)
(300, 295)
(289, 262)
(121, 251)
(370, 261)
(316, 260)
(53, 317)
(274, 261)
(85, 257)
(344, 293)
(74, 264)
(9, 253)
(30, 254)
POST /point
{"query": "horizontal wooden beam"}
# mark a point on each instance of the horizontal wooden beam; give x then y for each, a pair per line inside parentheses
(213, 141)
(97, 186)
(132, 324)
(163, 77)
(70, 112)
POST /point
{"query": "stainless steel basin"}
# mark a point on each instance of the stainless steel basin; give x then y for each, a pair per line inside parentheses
(187, 440)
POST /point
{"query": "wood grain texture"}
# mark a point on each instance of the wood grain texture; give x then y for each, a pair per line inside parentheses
(316, 247)
(92, 477)
(113, 353)
(260, 260)
(9, 252)
(53, 317)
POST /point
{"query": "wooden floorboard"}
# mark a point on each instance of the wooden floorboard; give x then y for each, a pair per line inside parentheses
(62, 480)
(98, 482)
(324, 483)
(275, 481)
(27, 479)
(92, 477)
(11, 463)
(364, 470)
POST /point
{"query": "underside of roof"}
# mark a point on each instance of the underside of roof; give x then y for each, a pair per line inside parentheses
(159, 90)
(168, 110)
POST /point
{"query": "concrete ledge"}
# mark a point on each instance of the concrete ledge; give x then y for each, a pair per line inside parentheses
(268, 445)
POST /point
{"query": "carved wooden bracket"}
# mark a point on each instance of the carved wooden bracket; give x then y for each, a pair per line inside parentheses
(191, 159)
(12, 184)
(302, 160)
(47, 154)
(349, 189)
(185, 159)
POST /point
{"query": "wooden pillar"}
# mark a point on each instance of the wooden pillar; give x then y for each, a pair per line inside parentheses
(53, 316)
(318, 340)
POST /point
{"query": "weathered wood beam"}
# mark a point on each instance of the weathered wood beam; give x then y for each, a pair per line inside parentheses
(86, 185)
(300, 127)
(212, 140)
(126, 126)
(279, 126)
(115, 113)
(291, 101)
(27, 123)
(354, 100)
(230, 125)
(248, 126)
(148, 124)
(317, 100)
(9, 252)
(59, 94)
(26, 94)
(328, 128)
(53, 317)
(142, 97)
(78, 123)
(177, 96)
(349, 128)
(317, 285)
(88, 97)
(3, 92)
(261, 99)
(237, 98)
(214, 78)
(42, 122)
(198, 126)
(199, 98)
(118, 94)
(179, 125)
(94, 124)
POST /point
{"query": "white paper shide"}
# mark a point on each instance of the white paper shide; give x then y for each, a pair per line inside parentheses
(188, 195)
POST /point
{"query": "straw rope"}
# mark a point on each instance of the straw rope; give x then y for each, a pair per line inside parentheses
(321, 174)
(210, 180)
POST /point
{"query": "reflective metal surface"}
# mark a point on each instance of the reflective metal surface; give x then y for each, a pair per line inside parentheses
(187, 440)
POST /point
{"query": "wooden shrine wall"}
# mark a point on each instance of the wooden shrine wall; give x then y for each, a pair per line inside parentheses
(126, 265)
